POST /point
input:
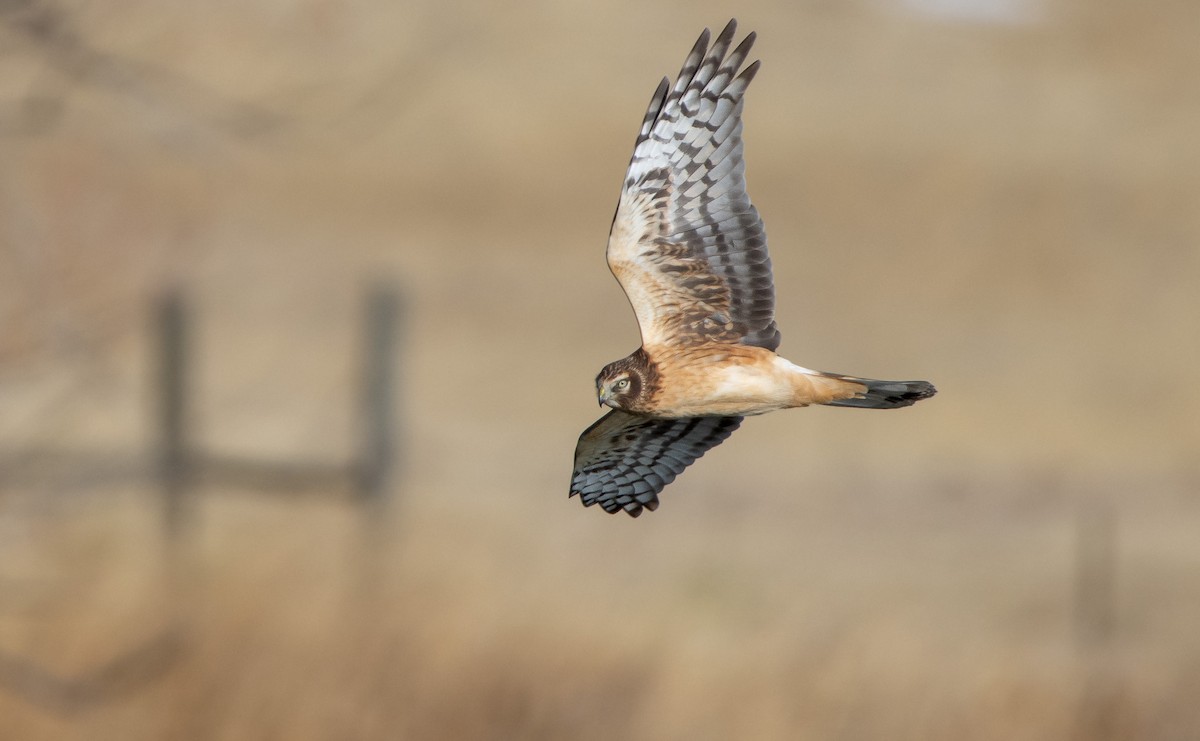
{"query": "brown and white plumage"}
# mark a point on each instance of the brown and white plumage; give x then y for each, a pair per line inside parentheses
(690, 252)
(687, 245)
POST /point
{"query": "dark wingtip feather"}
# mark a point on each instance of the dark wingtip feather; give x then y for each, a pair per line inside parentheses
(727, 33)
(743, 49)
(750, 71)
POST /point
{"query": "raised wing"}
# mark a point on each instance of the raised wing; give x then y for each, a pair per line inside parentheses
(624, 460)
(686, 244)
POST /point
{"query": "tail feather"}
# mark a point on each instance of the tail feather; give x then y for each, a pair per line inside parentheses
(884, 394)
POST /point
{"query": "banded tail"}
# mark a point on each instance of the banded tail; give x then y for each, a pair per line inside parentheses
(883, 394)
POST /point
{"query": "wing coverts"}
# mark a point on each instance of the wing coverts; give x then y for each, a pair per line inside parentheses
(624, 460)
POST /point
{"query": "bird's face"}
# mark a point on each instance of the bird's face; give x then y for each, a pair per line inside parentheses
(617, 387)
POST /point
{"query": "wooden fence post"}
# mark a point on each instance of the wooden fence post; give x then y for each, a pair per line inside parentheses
(173, 460)
(1095, 567)
(377, 459)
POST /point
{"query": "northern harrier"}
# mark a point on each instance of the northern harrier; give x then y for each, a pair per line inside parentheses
(690, 252)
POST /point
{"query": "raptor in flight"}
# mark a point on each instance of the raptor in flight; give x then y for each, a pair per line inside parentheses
(690, 252)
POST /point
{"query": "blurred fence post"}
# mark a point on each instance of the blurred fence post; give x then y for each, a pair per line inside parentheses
(1095, 566)
(149, 660)
(172, 329)
(377, 458)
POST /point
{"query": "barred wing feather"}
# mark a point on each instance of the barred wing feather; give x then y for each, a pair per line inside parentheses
(687, 246)
(624, 460)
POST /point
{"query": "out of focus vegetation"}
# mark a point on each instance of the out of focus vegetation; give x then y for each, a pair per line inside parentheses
(1000, 196)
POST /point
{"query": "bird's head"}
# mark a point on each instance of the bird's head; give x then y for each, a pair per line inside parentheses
(625, 384)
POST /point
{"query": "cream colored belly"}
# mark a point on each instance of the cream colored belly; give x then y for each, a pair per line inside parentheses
(733, 389)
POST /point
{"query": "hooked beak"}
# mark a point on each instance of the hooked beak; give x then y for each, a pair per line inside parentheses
(604, 398)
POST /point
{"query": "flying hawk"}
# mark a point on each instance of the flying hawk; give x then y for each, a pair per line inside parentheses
(690, 252)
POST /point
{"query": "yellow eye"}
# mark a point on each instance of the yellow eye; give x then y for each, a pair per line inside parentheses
(621, 385)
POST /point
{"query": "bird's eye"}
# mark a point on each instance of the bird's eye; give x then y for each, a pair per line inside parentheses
(622, 384)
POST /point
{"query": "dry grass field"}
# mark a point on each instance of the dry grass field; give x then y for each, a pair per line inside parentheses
(1002, 196)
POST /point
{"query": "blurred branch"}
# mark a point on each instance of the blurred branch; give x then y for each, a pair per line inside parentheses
(274, 477)
(365, 106)
(66, 470)
(50, 30)
(125, 673)
(70, 469)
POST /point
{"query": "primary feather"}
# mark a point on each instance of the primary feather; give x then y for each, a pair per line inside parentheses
(687, 246)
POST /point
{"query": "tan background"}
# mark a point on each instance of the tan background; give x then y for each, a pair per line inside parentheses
(1000, 196)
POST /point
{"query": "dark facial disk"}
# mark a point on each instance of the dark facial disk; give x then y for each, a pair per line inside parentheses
(619, 384)
(627, 383)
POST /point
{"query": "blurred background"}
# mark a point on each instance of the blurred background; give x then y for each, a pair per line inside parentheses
(997, 195)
